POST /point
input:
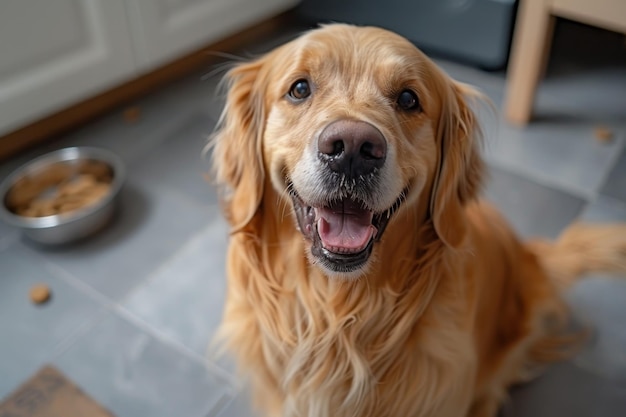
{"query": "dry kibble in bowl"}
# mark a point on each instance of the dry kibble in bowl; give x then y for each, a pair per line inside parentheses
(60, 189)
(99, 170)
(78, 185)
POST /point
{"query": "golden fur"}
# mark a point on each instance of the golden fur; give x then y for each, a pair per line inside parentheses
(452, 308)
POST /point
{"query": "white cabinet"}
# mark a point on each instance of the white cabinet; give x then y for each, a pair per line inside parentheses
(166, 29)
(55, 53)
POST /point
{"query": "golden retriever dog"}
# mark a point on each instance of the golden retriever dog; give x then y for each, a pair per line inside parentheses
(365, 278)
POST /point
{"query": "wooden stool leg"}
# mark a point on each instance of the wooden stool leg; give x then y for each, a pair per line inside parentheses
(531, 43)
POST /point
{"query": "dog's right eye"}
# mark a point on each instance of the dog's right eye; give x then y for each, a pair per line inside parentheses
(300, 90)
(407, 100)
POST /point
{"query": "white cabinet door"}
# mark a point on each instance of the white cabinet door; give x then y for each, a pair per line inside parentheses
(56, 52)
(166, 29)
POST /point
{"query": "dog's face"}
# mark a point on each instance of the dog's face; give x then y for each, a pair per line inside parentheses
(348, 123)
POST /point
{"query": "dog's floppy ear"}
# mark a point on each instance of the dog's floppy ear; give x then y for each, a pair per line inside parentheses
(460, 168)
(237, 156)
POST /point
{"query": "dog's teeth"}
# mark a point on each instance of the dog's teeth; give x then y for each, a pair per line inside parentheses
(337, 249)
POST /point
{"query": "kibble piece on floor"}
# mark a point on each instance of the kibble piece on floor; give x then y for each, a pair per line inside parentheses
(603, 134)
(132, 114)
(40, 293)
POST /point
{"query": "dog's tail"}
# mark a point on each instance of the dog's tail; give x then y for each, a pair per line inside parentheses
(581, 249)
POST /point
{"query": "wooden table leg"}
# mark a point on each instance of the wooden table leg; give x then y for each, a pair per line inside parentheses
(531, 43)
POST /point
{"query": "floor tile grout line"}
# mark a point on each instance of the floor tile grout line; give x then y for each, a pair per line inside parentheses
(536, 176)
(71, 339)
(224, 399)
(176, 345)
(101, 300)
(112, 307)
(612, 201)
(220, 406)
(541, 179)
(191, 242)
(76, 283)
(613, 163)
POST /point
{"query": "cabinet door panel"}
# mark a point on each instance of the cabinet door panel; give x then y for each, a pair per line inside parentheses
(165, 29)
(54, 53)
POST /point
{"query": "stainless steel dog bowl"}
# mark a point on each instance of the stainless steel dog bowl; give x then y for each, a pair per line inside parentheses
(77, 223)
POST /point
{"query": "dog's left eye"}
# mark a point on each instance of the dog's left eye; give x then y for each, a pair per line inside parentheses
(407, 100)
(300, 90)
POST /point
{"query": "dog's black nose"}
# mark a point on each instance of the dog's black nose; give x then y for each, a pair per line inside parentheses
(353, 148)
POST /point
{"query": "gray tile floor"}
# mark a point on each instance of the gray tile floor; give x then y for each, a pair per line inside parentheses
(134, 308)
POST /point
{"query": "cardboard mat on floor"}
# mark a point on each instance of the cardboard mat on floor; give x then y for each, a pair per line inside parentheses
(50, 394)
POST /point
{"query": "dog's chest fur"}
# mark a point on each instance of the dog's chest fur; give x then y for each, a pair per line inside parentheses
(321, 348)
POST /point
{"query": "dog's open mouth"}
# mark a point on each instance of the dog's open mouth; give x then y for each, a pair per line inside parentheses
(343, 231)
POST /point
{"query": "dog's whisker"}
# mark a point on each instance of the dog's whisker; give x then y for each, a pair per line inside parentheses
(283, 207)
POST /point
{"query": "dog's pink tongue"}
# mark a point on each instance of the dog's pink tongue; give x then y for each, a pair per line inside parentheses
(345, 227)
